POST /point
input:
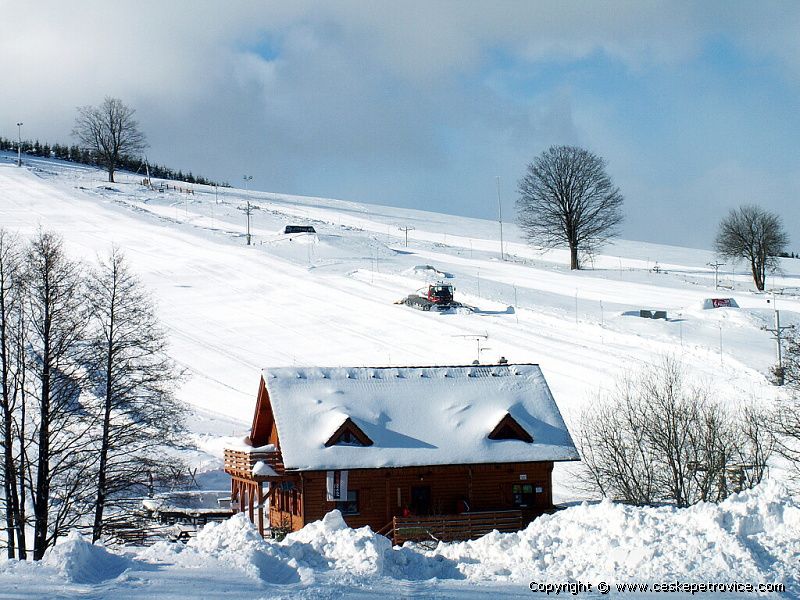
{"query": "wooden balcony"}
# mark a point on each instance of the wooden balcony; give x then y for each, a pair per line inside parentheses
(446, 528)
(240, 463)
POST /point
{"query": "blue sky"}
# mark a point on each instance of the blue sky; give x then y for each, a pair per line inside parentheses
(694, 105)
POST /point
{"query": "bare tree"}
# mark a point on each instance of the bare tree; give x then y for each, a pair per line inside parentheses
(60, 426)
(786, 417)
(659, 439)
(753, 234)
(10, 321)
(132, 376)
(566, 199)
(110, 132)
(615, 449)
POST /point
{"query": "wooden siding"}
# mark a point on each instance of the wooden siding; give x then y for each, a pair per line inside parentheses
(447, 528)
(383, 493)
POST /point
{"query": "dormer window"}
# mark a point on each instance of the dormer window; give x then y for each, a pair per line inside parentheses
(509, 429)
(347, 438)
(348, 434)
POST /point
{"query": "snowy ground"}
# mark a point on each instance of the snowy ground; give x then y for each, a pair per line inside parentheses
(328, 300)
(749, 540)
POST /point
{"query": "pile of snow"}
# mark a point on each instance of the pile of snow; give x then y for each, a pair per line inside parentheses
(262, 469)
(82, 562)
(331, 544)
(428, 272)
(321, 546)
(236, 543)
(751, 537)
(244, 445)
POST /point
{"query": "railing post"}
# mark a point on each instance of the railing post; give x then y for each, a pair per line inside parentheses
(260, 509)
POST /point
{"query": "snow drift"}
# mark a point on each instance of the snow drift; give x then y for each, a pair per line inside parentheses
(322, 546)
(751, 537)
(80, 561)
(237, 543)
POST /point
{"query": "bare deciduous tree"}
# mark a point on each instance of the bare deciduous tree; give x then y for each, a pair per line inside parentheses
(60, 427)
(753, 234)
(786, 418)
(87, 411)
(132, 376)
(659, 439)
(110, 132)
(566, 199)
(10, 322)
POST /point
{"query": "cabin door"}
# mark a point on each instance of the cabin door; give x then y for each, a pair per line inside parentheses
(421, 500)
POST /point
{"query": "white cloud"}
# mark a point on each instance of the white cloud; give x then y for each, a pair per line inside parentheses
(357, 97)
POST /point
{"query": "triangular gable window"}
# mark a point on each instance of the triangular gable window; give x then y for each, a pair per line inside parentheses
(348, 434)
(509, 429)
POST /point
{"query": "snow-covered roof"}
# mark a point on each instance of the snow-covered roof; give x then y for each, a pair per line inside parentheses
(190, 502)
(414, 415)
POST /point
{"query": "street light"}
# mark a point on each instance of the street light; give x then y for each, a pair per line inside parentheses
(249, 208)
(500, 218)
(19, 144)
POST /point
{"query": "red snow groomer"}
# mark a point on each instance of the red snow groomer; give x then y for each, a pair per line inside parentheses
(437, 296)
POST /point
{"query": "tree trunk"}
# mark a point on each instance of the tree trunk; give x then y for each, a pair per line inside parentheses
(758, 275)
(42, 497)
(110, 173)
(573, 257)
(22, 544)
(10, 485)
(97, 529)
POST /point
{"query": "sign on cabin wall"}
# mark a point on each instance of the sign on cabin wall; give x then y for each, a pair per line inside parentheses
(336, 486)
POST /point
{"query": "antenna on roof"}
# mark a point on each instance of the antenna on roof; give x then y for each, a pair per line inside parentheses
(478, 337)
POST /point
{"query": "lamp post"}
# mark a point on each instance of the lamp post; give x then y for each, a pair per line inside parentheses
(500, 218)
(715, 265)
(19, 144)
(249, 208)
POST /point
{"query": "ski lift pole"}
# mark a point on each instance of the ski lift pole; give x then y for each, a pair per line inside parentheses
(777, 333)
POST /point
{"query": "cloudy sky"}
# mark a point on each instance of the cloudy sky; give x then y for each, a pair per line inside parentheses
(694, 105)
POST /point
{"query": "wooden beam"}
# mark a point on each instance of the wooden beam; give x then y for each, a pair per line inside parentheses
(250, 502)
(260, 510)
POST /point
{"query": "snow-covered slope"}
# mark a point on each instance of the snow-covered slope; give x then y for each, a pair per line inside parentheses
(232, 309)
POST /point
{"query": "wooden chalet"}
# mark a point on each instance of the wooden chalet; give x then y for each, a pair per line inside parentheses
(413, 452)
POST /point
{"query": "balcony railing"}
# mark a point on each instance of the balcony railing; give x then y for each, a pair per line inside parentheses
(240, 463)
(464, 526)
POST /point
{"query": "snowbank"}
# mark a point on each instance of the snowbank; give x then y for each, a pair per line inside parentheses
(428, 272)
(331, 543)
(753, 536)
(236, 543)
(82, 562)
(322, 546)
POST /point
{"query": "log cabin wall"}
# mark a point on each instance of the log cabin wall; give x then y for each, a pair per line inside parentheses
(383, 493)
(286, 510)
